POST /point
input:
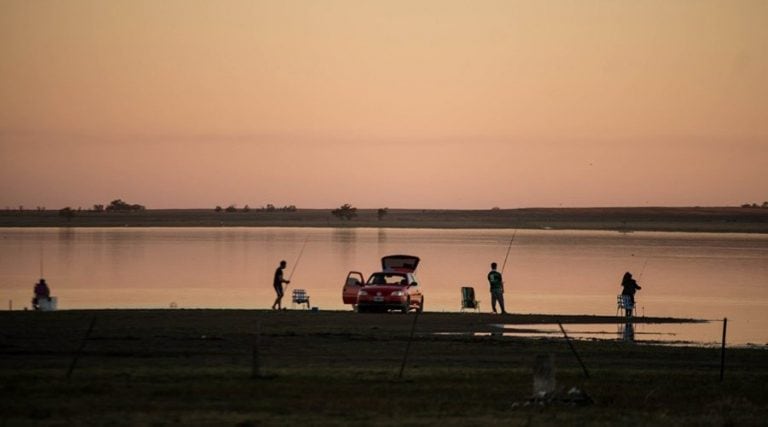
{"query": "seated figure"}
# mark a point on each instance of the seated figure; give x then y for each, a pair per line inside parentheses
(42, 292)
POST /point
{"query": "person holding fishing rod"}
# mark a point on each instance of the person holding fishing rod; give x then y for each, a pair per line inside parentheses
(497, 288)
(277, 282)
(496, 280)
(629, 287)
(42, 292)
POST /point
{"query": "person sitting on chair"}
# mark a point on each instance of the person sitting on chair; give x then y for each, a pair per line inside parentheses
(41, 291)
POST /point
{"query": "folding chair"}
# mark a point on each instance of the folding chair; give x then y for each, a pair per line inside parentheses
(624, 302)
(300, 296)
(468, 301)
(45, 304)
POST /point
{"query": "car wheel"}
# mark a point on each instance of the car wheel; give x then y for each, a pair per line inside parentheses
(407, 306)
(360, 309)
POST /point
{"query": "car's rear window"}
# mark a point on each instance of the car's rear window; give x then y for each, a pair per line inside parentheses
(388, 279)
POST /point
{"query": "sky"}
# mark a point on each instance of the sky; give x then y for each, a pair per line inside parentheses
(401, 104)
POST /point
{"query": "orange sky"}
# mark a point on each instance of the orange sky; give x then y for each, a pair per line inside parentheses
(420, 104)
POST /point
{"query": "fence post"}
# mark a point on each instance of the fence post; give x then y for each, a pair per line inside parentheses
(722, 349)
(408, 346)
(256, 367)
(573, 349)
(80, 349)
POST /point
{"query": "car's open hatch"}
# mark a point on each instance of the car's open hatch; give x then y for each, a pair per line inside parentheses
(400, 263)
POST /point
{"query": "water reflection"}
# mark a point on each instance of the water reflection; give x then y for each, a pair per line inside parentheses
(550, 272)
(345, 239)
(627, 332)
(631, 332)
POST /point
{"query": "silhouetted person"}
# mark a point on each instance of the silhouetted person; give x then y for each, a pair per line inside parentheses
(497, 288)
(629, 287)
(277, 282)
(41, 291)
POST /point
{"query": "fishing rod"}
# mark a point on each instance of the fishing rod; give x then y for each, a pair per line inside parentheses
(41, 262)
(508, 248)
(298, 258)
(643, 269)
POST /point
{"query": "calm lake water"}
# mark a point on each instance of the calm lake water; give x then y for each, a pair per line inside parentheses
(705, 276)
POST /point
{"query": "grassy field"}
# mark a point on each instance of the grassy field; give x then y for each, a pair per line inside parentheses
(341, 368)
(745, 220)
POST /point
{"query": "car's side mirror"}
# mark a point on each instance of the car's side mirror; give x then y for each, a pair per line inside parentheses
(414, 283)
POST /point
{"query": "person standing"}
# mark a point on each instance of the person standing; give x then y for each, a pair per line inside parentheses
(277, 282)
(629, 287)
(497, 288)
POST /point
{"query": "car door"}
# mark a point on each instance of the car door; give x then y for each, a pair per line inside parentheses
(413, 289)
(351, 286)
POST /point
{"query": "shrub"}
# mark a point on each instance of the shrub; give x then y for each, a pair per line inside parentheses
(345, 211)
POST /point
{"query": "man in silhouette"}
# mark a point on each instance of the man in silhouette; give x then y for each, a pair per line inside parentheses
(277, 282)
(497, 288)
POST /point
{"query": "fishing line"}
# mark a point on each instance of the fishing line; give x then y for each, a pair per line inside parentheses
(295, 264)
(508, 248)
(643, 269)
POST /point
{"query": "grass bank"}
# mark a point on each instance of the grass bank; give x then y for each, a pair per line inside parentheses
(724, 219)
(341, 368)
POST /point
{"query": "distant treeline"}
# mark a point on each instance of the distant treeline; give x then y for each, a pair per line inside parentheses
(268, 208)
(625, 220)
(755, 205)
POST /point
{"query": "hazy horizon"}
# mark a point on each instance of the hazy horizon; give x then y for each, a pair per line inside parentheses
(415, 104)
(372, 208)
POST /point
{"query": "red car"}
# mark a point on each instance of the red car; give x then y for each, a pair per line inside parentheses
(393, 288)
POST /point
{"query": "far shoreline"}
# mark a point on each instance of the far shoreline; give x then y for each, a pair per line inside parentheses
(624, 220)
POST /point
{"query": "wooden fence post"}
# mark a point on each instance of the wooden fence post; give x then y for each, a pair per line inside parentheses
(80, 349)
(256, 365)
(573, 349)
(722, 350)
(408, 346)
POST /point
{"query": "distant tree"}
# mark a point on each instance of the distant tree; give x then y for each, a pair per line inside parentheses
(270, 207)
(495, 208)
(67, 213)
(231, 208)
(345, 211)
(246, 208)
(290, 208)
(381, 213)
(98, 208)
(218, 208)
(765, 204)
(119, 205)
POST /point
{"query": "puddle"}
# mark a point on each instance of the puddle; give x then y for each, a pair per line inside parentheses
(684, 334)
